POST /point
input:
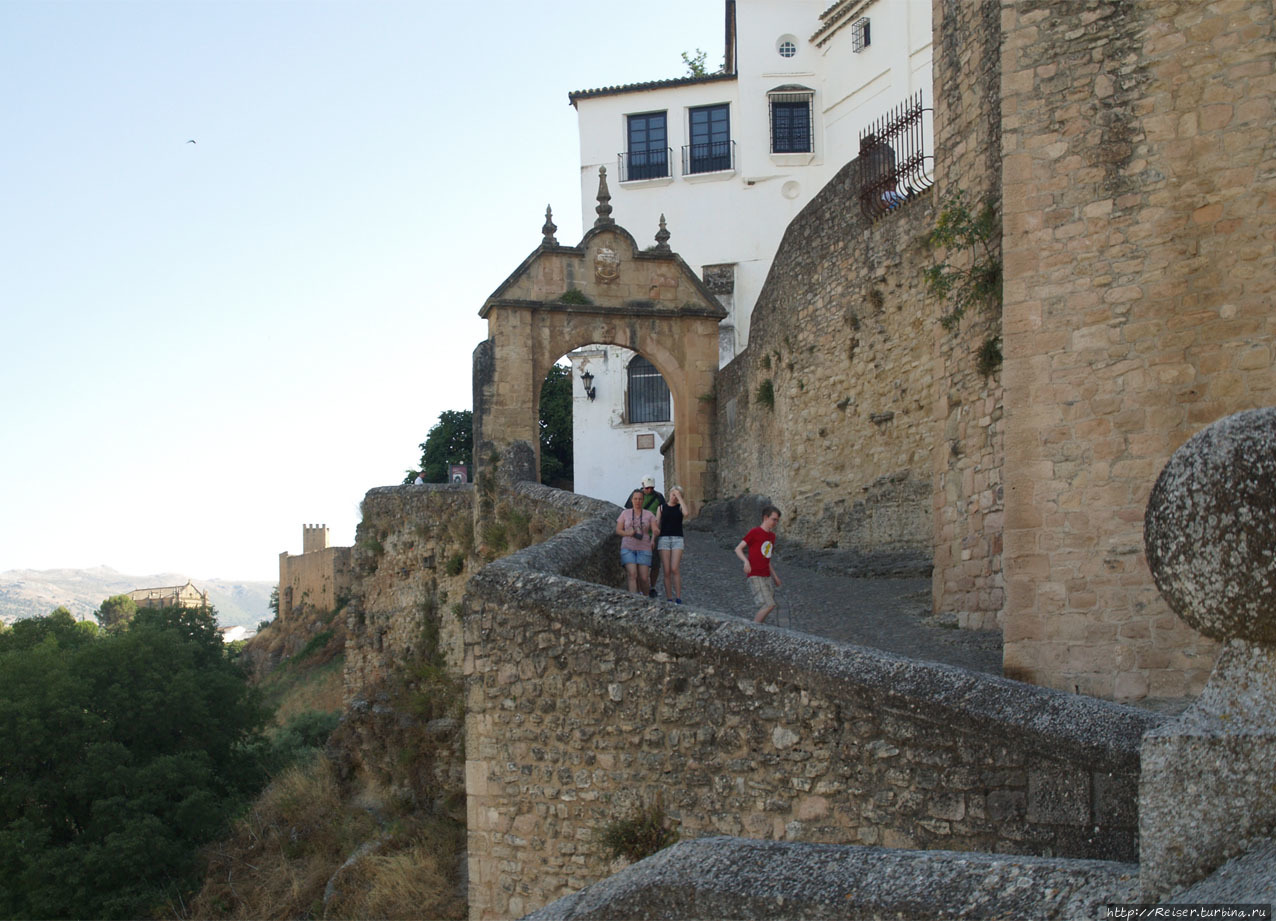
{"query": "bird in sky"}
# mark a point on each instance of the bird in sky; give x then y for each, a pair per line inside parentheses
(190, 142)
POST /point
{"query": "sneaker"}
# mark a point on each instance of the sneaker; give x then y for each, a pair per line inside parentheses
(677, 601)
(651, 594)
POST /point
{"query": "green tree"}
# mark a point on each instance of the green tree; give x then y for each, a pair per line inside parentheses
(449, 441)
(115, 612)
(121, 753)
(556, 426)
(695, 63)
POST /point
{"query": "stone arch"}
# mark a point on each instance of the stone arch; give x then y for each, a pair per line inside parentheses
(605, 290)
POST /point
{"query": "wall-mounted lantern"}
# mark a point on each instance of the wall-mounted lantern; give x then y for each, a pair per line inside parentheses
(587, 380)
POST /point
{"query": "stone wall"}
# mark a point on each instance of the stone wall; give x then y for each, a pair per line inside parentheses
(828, 409)
(415, 550)
(584, 702)
(866, 421)
(968, 434)
(408, 539)
(1140, 266)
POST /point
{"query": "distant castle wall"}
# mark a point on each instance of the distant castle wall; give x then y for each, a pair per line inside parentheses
(317, 578)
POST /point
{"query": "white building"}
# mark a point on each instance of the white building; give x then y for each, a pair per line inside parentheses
(617, 435)
(730, 158)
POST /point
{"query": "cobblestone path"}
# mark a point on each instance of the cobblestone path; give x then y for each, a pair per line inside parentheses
(888, 614)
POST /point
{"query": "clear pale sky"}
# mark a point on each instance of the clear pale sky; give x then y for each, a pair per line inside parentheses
(205, 346)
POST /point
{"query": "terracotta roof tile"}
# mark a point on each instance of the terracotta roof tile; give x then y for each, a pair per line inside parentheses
(649, 85)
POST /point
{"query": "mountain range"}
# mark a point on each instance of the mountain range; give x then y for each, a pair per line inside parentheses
(34, 593)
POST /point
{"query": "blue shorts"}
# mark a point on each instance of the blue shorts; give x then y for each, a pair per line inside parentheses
(641, 557)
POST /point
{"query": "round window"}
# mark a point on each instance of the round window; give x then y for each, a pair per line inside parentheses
(787, 48)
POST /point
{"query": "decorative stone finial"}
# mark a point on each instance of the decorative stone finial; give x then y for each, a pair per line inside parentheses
(548, 229)
(1210, 529)
(604, 200)
(662, 237)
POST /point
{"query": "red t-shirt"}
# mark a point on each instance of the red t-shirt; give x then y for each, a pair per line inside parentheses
(761, 542)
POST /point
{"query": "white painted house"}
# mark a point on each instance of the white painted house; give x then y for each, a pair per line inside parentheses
(729, 159)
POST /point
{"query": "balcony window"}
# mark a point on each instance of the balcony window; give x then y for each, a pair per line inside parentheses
(647, 156)
(710, 147)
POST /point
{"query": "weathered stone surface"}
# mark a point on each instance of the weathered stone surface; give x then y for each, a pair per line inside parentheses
(744, 879)
(1208, 776)
(1139, 272)
(1210, 528)
(584, 702)
(1249, 878)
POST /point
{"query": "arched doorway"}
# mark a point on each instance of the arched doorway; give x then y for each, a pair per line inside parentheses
(607, 290)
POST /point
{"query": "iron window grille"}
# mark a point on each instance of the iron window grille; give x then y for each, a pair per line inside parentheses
(647, 399)
(861, 35)
(792, 122)
(894, 166)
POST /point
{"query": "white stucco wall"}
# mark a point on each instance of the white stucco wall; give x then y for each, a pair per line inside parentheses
(605, 457)
(739, 216)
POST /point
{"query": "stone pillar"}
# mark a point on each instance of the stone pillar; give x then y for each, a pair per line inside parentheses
(1208, 778)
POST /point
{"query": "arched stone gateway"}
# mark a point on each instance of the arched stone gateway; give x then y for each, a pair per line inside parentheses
(605, 290)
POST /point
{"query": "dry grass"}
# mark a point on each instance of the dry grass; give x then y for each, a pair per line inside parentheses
(301, 835)
(320, 691)
(413, 883)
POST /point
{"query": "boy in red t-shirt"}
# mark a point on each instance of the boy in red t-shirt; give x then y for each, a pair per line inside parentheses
(755, 552)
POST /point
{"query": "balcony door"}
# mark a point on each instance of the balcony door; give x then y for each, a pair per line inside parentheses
(710, 139)
(648, 147)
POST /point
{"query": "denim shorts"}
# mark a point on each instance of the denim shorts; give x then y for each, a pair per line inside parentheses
(669, 543)
(641, 557)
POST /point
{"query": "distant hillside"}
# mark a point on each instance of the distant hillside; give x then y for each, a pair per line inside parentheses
(33, 593)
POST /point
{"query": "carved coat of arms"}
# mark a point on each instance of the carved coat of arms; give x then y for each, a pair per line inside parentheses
(606, 266)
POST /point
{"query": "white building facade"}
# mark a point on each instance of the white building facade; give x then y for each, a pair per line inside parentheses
(618, 433)
(729, 159)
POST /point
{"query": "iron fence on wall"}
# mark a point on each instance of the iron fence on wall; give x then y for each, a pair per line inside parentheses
(894, 164)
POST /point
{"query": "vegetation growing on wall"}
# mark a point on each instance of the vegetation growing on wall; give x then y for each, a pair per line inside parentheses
(636, 836)
(574, 296)
(765, 394)
(975, 280)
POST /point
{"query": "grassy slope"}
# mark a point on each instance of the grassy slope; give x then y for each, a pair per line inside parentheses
(313, 845)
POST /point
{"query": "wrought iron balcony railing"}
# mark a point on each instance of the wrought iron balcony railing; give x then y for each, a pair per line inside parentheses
(645, 164)
(708, 158)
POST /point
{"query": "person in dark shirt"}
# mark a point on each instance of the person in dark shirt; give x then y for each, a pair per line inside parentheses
(670, 543)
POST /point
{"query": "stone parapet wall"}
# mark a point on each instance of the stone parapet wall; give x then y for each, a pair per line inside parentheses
(583, 703)
(739, 878)
(1140, 266)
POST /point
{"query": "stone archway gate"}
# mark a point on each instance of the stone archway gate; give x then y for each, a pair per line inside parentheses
(603, 290)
